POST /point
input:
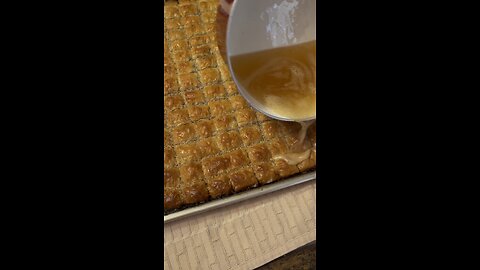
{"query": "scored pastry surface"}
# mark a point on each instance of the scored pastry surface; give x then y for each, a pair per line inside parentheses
(215, 144)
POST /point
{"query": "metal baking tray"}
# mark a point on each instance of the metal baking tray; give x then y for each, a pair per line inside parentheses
(242, 196)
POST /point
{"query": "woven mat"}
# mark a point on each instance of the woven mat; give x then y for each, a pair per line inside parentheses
(243, 236)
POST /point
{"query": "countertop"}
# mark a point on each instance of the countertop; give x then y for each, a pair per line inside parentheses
(302, 258)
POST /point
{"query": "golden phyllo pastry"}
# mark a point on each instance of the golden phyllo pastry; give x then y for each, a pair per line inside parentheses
(215, 144)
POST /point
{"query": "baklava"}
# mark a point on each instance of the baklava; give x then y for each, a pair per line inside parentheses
(215, 144)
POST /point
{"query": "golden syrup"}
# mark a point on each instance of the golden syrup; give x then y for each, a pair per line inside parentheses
(301, 143)
(294, 158)
(293, 96)
(282, 80)
(302, 149)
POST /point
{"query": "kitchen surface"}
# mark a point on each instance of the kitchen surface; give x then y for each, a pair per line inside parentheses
(303, 258)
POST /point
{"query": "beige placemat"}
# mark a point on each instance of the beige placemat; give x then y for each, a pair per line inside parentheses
(246, 235)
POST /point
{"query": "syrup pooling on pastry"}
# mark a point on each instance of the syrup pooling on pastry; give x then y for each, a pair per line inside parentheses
(282, 80)
(302, 148)
(303, 144)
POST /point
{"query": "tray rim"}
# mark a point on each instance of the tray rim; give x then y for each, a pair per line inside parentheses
(240, 197)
